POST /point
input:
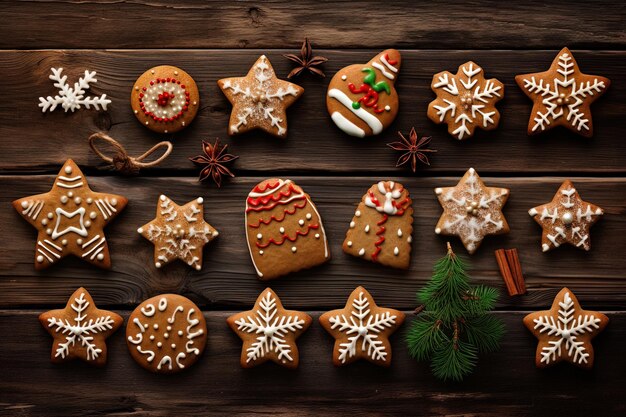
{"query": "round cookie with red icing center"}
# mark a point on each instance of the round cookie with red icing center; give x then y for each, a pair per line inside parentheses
(165, 99)
(361, 98)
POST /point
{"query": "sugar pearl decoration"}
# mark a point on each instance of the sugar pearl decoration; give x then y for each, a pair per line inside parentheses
(567, 218)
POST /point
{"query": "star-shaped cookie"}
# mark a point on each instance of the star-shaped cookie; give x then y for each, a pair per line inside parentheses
(80, 330)
(259, 100)
(361, 329)
(566, 219)
(70, 219)
(269, 332)
(565, 331)
(472, 210)
(178, 232)
(562, 96)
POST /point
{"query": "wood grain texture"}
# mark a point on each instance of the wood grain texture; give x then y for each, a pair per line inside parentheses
(274, 24)
(506, 383)
(314, 143)
(228, 278)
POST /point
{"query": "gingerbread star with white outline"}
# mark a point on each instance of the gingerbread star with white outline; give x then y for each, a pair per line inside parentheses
(269, 332)
(178, 232)
(70, 219)
(562, 96)
(566, 219)
(259, 100)
(471, 210)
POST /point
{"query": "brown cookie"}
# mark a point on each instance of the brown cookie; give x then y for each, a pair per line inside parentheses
(80, 330)
(361, 329)
(165, 99)
(70, 219)
(565, 332)
(178, 232)
(362, 99)
(260, 100)
(269, 332)
(166, 334)
(566, 219)
(284, 230)
(465, 100)
(472, 210)
(382, 226)
(562, 96)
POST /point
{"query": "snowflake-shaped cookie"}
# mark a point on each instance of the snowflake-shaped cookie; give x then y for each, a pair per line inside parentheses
(259, 100)
(465, 100)
(71, 98)
(80, 329)
(362, 329)
(269, 332)
(566, 219)
(565, 331)
(562, 96)
(472, 210)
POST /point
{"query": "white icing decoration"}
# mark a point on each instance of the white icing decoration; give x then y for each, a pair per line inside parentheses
(390, 195)
(72, 98)
(396, 251)
(387, 64)
(344, 77)
(32, 208)
(148, 310)
(175, 103)
(192, 335)
(383, 70)
(162, 304)
(371, 120)
(105, 207)
(80, 231)
(399, 232)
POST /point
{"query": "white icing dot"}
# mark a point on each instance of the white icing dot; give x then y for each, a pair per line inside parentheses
(44, 222)
(40, 259)
(147, 123)
(113, 202)
(64, 242)
(77, 200)
(63, 199)
(100, 257)
(301, 222)
(358, 213)
(79, 241)
(294, 249)
(308, 216)
(168, 328)
(140, 230)
(259, 236)
(352, 225)
(136, 111)
(173, 345)
(93, 215)
(261, 252)
(49, 231)
(180, 332)
(151, 337)
(409, 239)
(175, 72)
(200, 200)
(157, 264)
(387, 108)
(198, 267)
(317, 236)
(349, 243)
(399, 232)
(437, 230)
(367, 228)
(162, 197)
(362, 252)
(159, 344)
(396, 251)
(24, 204)
(281, 230)
(438, 191)
(156, 326)
(70, 194)
(87, 223)
(68, 169)
(166, 335)
(50, 215)
(152, 72)
(89, 200)
(344, 77)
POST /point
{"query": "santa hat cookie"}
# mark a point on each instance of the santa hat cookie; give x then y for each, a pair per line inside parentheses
(361, 98)
(284, 229)
(381, 228)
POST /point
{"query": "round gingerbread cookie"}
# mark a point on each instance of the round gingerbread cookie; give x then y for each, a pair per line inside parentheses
(165, 99)
(361, 98)
(166, 334)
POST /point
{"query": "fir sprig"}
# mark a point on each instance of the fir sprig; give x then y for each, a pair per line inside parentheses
(453, 325)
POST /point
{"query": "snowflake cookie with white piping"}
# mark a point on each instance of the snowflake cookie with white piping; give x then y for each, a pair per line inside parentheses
(80, 330)
(472, 210)
(565, 332)
(72, 98)
(260, 100)
(178, 232)
(165, 99)
(566, 219)
(361, 329)
(269, 332)
(166, 334)
(562, 96)
(70, 219)
(465, 100)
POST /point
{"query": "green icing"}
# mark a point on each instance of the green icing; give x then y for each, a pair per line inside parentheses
(370, 79)
(356, 105)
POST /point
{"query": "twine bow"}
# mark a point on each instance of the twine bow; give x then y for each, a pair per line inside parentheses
(121, 161)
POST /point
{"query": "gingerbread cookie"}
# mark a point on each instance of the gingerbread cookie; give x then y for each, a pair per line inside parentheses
(381, 228)
(361, 329)
(166, 334)
(70, 219)
(259, 100)
(565, 332)
(178, 232)
(472, 210)
(566, 219)
(361, 98)
(269, 332)
(80, 330)
(284, 230)
(562, 96)
(165, 99)
(465, 100)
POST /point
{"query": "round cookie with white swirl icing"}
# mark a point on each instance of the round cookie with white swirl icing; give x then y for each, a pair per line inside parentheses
(362, 99)
(166, 334)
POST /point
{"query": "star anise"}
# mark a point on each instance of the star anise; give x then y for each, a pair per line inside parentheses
(213, 161)
(306, 60)
(412, 149)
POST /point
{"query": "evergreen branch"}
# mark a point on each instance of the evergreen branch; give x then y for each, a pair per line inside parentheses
(450, 363)
(484, 332)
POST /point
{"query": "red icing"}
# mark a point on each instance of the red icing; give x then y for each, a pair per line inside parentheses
(370, 99)
(272, 197)
(286, 212)
(163, 100)
(286, 237)
(380, 232)
(391, 61)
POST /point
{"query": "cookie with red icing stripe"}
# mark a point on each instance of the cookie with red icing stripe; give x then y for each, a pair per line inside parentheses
(361, 98)
(284, 229)
(382, 226)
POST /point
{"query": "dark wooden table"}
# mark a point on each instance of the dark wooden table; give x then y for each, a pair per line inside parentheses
(214, 39)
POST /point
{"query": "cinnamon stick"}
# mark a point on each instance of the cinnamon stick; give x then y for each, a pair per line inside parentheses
(506, 272)
(516, 269)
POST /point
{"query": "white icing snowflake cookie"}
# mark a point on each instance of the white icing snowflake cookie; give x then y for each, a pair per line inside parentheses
(72, 98)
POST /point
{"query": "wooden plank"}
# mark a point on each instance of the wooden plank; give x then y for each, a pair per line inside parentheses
(228, 279)
(314, 144)
(505, 382)
(275, 24)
